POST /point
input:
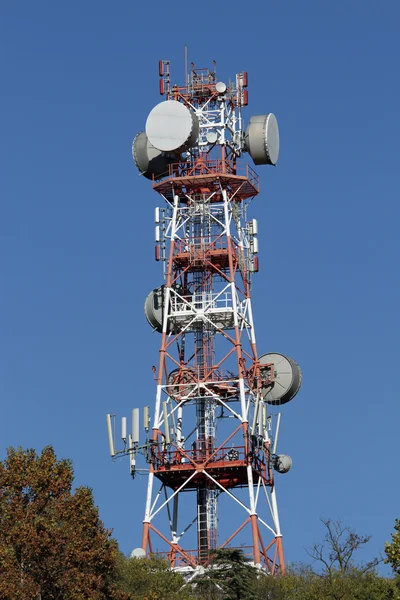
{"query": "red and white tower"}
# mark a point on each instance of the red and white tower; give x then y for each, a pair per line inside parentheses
(214, 428)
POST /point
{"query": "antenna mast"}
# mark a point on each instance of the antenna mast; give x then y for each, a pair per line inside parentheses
(213, 435)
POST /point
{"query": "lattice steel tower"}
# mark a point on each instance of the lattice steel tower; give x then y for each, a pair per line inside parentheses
(212, 430)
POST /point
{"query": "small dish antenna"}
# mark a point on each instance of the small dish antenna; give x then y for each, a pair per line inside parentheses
(282, 463)
(138, 553)
(154, 310)
(220, 87)
(211, 137)
(286, 378)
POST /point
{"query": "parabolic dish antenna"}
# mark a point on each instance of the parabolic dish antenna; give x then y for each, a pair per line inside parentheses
(262, 139)
(282, 463)
(149, 160)
(211, 137)
(154, 310)
(172, 127)
(220, 87)
(138, 553)
(286, 375)
(180, 383)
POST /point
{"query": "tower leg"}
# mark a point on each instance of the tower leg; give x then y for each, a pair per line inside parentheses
(146, 521)
(145, 536)
(256, 545)
(279, 549)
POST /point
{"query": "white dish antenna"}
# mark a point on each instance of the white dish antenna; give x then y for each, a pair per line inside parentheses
(262, 139)
(212, 137)
(220, 87)
(286, 378)
(282, 463)
(172, 127)
(149, 160)
(154, 310)
(138, 553)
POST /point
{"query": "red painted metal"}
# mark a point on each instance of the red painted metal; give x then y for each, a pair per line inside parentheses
(199, 260)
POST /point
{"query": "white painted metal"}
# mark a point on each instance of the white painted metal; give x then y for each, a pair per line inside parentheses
(135, 425)
(110, 436)
(123, 429)
(173, 127)
(278, 425)
(166, 424)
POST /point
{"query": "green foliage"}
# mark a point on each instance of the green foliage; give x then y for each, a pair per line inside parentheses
(393, 550)
(228, 577)
(302, 583)
(150, 579)
(53, 546)
(52, 542)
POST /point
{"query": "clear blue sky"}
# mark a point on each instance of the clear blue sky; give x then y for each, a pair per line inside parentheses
(78, 80)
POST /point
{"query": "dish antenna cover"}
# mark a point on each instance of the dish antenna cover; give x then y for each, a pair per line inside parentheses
(154, 310)
(262, 139)
(286, 375)
(149, 160)
(172, 127)
(282, 463)
(138, 553)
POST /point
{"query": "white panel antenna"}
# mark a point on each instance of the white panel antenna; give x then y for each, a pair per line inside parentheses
(157, 215)
(262, 421)
(135, 425)
(110, 436)
(146, 418)
(166, 424)
(256, 412)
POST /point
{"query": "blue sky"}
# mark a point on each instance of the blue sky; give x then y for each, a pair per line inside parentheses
(78, 81)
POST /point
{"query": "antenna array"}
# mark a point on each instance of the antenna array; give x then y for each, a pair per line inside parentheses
(212, 434)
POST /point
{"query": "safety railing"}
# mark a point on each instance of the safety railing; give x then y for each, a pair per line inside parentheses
(201, 167)
(203, 302)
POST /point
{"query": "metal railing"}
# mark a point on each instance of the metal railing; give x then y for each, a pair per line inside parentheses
(201, 167)
(204, 302)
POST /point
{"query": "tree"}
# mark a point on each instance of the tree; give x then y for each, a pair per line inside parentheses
(340, 578)
(337, 549)
(228, 577)
(393, 550)
(337, 576)
(150, 579)
(53, 545)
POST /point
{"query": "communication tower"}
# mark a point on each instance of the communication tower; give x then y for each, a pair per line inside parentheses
(214, 430)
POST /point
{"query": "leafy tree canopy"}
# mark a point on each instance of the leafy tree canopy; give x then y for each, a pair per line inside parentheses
(393, 550)
(52, 542)
(150, 579)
